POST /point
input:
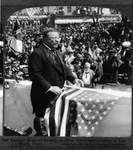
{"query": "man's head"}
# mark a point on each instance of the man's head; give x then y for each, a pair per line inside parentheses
(51, 37)
(87, 65)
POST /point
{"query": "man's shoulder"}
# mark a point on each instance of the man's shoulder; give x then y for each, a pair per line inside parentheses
(39, 50)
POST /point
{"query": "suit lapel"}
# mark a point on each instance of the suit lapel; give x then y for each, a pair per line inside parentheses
(61, 62)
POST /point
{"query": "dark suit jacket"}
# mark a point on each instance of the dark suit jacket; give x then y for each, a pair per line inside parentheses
(44, 74)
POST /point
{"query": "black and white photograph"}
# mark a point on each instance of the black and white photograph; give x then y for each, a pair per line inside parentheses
(66, 71)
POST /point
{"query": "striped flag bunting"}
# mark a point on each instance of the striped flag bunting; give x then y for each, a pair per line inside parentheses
(15, 42)
(78, 112)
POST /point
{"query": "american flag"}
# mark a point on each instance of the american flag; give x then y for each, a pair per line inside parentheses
(15, 42)
(78, 112)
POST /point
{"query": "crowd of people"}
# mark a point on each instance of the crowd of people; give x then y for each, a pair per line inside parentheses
(94, 53)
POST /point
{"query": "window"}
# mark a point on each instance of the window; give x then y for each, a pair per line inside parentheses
(69, 9)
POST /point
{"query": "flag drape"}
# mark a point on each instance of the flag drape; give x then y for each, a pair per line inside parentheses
(78, 112)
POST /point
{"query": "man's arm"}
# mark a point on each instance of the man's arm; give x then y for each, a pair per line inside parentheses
(35, 73)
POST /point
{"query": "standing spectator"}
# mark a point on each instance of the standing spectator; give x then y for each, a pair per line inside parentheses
(78, 65)
(96, 51)
(72, 70)
(87, 75)
(69, 59)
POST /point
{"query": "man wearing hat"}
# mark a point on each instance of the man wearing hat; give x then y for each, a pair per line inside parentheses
(48, 74)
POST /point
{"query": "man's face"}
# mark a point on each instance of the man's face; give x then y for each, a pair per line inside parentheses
(53, 39)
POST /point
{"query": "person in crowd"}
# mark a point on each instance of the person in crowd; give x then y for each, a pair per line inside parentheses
(115, 63)
(70, 57)
(96, 51)
(78, 64)
(48, 74)
(98, 69)
(80, 83)
(87, 75)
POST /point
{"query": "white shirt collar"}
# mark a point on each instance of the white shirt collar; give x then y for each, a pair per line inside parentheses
(47, 46)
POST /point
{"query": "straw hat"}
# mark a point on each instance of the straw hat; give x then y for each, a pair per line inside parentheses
(126, 44)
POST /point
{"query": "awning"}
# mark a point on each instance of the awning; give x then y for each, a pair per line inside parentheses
(66, 21)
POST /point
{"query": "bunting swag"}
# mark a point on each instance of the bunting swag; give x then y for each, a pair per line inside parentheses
(78, 112)
(15, 42)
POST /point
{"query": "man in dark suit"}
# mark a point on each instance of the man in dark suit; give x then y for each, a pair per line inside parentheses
(47, 73)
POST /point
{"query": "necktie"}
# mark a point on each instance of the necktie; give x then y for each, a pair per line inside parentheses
(53, 56)
(86, 74)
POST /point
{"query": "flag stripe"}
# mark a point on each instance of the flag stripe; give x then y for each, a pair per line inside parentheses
(71, 116)
(58, 108)
(69, 92)
(63, 123)
(52, 122)
(53, 115)
(47, 120)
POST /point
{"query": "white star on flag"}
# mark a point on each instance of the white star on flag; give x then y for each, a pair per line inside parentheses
(82, 121)
(93, 117)
(89, 122)
(89, 134)
(79, 127)
(96, 123)
(79, 115)
(100, 118)
(93, 106)
(108, 108)
(112, 103)
(82, 99)
(97, 100)
(86, 104)
(86, 116)
(86, 127)
(101, 106)
(90, 99)
(89, 110)
(97, 112)
(82, 110)
(116, 98)
(92, 128)
(104, 113)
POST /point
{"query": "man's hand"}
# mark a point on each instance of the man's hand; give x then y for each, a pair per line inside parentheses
(55, 89)
(78, 82)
